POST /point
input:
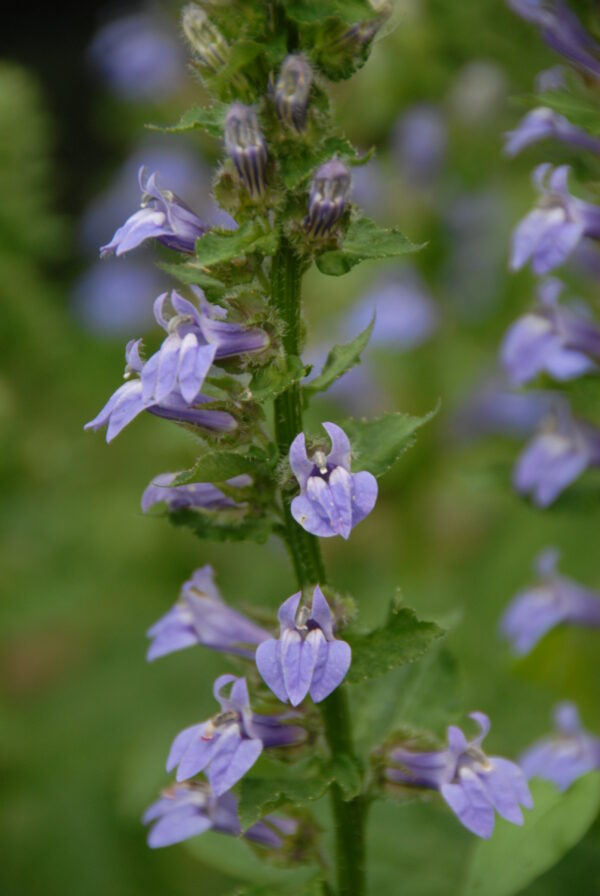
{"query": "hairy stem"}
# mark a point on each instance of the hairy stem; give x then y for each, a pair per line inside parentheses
(306, 557)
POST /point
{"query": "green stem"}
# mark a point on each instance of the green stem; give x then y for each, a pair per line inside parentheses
(349, 816)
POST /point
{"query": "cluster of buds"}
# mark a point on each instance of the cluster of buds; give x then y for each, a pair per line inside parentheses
(206, 42)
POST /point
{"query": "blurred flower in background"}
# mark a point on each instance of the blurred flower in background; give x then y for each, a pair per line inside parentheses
(566, 754)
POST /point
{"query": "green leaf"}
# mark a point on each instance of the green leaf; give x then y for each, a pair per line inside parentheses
(312, 887)
(218, 466)
(340, 359)
(402, 639)
(515, 856)
(199, 118)
(224, 525)
(364, 240)
(298, 160)
(581, 107)
(191, 273)
(270, 381)
(305, 12)
(219, 245)
(378, 443)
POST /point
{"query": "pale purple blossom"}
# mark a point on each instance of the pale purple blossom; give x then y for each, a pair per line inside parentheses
(561, 29)
(494, 409)
(556, 456)
(552, 78)
(129, 401)
(565, 755)
(306, 658)
(332, 500)
(227, 746)
(193, 495)
(542, 124)
(188, 809)
(420, 141)
(473, 784)
(162, 216)
(551, 338)
(548, 235)
(329, 192)
(201, 616)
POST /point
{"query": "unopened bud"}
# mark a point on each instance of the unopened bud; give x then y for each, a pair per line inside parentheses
(206, 41)
(292, 91)
(246, 146)
(327, 199)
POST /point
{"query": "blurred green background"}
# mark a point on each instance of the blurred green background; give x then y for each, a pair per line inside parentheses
(85, 722)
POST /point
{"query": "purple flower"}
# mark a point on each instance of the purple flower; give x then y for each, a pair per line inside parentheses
(292, 92)
(162, 216)
(550, 339)
(229, 744)
(332, 500)
(193, 494)
(555, 600)
(329, 192)
(561, 29)
(494, 409)
(195, 339)
(560, 451)
(471, 783)
(201, 616)
(541, 124)
(306, 658)
(551, 79)
(549, 234)
(186, 810)
(420, 142)
(565, 755)
(245, 145)
(129, 401)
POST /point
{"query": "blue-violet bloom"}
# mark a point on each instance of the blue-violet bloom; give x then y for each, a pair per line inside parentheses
(561, 29)
(556, 456)
(229, 744)
(565, 755)
(472, 784)
(186, 810)
(329, 192)
(554, 600)
(332, 500)
(548, 235)
(551, 339)
(201, 616)
(162, 216)
(194, 495)
(306, 658)
(543, 123)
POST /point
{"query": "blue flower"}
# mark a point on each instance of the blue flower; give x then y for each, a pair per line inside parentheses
(201, 616)
(162, 216)
(548, 235)
(565, 755)
(472, 784)
(555, 600)
(561, 29)
(229, 744)
(543, 123)
(550, 339)
(332, 500)
(306, 658)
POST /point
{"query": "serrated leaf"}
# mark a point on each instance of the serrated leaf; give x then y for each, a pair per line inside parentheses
(270, 381)
(218, 466)
(199, 118)
(219, 245)
(364, 240)
(191, 273)
(340, 359)
(299, 160)
(378, 443)
(304, 12)
(402, 639)
(580, 108)
(224, 525)
(557, 822)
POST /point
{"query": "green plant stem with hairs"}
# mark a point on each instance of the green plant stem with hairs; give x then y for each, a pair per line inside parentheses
(349, 816)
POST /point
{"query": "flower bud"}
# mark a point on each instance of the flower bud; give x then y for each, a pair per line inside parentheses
(327, 199)
(206, 41)
(246, 146)
(292, 91)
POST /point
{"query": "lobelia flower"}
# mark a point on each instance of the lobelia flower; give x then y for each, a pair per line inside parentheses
(420, 142)
(203, 495)
(555, 600)
(201, 616)
(306, 658)
(492, 408)
(329, 192)
(292, 92)
(162, 216)
(128, 401)
(551, 79)
(245, 145)
(561, 29)
(186, 810)
(472, 784)
(543, 123)
(332, 500)
(550, 339)
(229, 744)
(556, 456)
(565, 755)
(548, 235)
(196, 337)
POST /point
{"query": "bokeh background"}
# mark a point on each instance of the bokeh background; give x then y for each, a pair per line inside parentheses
(85, 721)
